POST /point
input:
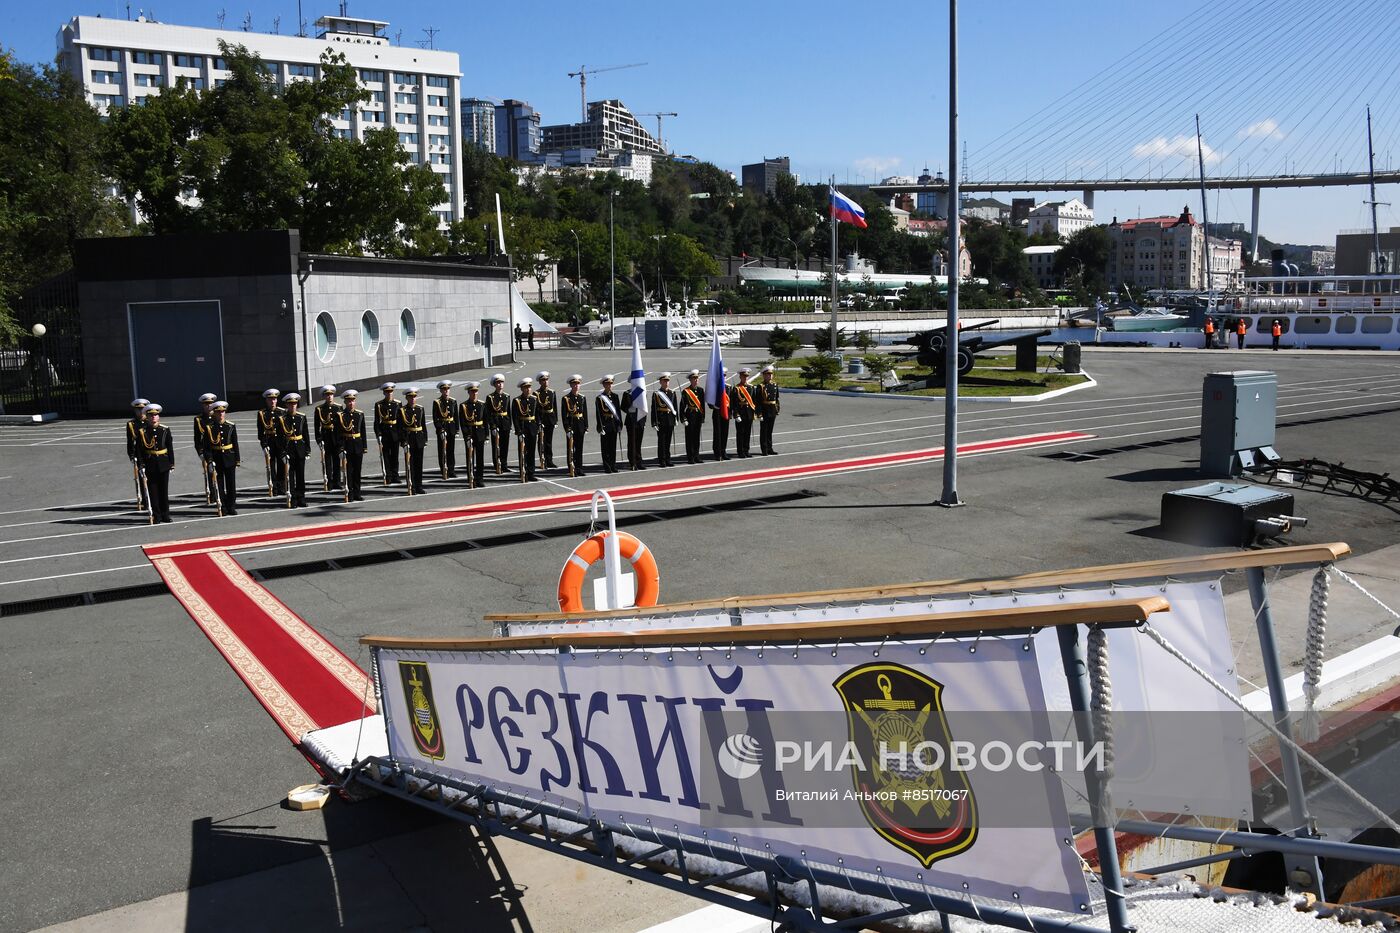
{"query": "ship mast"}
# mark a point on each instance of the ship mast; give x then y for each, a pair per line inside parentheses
(1375, 230)
(1205, 216)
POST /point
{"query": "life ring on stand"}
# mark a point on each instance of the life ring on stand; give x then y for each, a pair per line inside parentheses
(590, 551)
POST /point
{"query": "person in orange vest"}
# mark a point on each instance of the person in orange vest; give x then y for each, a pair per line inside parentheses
(1241, 328)
(1210, 332)
(1276, 331)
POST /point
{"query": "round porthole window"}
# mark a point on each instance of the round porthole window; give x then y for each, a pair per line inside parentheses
(408, 330)
(325, 337)
(369, 333)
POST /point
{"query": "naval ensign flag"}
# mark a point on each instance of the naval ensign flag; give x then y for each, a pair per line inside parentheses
(716, 393)
(638, 380)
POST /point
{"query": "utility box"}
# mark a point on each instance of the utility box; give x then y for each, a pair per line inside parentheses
(1238, 413)
(657, 333)
(1070, 357)
(1224, 514)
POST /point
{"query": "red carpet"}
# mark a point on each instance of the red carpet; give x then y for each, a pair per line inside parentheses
(302, 680)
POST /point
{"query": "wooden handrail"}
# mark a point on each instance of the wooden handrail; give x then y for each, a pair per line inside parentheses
(1297, 555)
(1114, 612)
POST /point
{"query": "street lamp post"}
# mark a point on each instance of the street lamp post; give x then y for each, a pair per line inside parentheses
(660, 280)
(954, 344)
(578, 279)
(612, 274)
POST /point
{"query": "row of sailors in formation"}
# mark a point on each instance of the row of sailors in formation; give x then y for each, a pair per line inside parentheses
(342, 435)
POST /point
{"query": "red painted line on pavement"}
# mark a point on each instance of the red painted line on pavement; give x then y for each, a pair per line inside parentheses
(362, 526)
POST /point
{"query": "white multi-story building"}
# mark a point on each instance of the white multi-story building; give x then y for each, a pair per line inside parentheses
(414, 91)
(1062, 218)
(1042, 263)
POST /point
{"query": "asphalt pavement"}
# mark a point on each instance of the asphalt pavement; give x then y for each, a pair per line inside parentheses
(146, 770)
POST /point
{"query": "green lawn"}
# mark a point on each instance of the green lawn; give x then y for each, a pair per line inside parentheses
(989, 380)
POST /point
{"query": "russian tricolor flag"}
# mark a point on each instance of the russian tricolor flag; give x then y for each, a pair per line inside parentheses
(844, 209)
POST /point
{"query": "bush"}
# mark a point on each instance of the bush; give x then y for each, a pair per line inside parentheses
(822, 341)
(865, 340)
(819, 370)
(880, 365)
(783, 343)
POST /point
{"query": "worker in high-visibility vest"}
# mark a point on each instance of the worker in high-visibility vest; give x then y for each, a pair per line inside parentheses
(1276, 331)
(1241, 328)
(1210, 332)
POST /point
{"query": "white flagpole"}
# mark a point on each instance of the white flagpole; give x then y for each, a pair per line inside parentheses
(835, 286)
(950, 362)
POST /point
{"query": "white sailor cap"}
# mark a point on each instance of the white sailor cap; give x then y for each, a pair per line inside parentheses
(388, 386)
(292, 397)
(271, 393)
(664, 376)
(498, 377)
(744, 370)
(606, 379)
(575, 378)
(154, 409)
(526, 381)
(769, 368)
(350, 393)
(693, 372)
(542, 375)
(140, 402)
(410, 390)
(220, 405)
(327, 390)
(445, 384)
(208, 397)
(473, 385)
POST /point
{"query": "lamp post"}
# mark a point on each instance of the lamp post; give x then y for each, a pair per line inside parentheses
(950, 498)
(660, 280)
(612, 275)
(578, 278)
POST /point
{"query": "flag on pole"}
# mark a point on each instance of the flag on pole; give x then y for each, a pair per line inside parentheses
(846, 210)
(638, 380)
(716, 393)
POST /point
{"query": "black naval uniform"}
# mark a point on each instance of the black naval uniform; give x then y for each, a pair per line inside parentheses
(719, 429)
(472, 417)
(267, 437)
(525, 418)
(292, 431)
(743, 408)
(445, 423)
(693, 415)
(387, 414)
(133, 453)
(607, 408)
(766, 395)
(549, 417)
(350, 431)
(498, 421)
(413, 434)
(221, 449)
(157, 452)
(573, 408)
(663, 419)
(329, 439)
(636, 431)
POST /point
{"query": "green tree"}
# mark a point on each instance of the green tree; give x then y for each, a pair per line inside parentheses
(1083, 263)
(880, 365)
(783, 343)
(252, 155)
(822, 340)
(819, 370)
(52, 190)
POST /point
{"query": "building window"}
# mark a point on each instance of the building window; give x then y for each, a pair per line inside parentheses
(106, 77)
(435, 139)
(345, 114)
(444, 217)
(189, 61)
(108, 100)
(220, 64)
(476, 338)
(415, 158)
(343, 132)
(403, 98)
(376, 97)
(104, 55)
(408, 139)
(439, 119)
(271, 69)
(439, 81)
(220, 82)
(440, 158)
(367, 74)
(325, 337)
(408, 330)
(149, 81)
(401, 78)
(437, 100)
(194, 84)
(147, 58)
(369, 333)
(372, 116)
(410, 119)
(302, 71)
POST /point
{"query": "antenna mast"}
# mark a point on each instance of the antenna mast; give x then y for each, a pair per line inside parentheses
(1205, 211)
(1375, 230)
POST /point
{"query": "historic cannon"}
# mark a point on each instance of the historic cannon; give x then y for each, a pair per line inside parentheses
(931, 346)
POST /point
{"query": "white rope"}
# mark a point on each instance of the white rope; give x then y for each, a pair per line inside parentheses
(1346, 788)
(1364, 592)
(1101, 713)
(1310, 726)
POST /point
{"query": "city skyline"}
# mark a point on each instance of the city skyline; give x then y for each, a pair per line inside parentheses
(769, 86)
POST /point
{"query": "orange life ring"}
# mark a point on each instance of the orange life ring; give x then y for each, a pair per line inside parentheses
(589, 552)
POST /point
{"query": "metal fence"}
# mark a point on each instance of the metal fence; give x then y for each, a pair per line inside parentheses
(40, 374)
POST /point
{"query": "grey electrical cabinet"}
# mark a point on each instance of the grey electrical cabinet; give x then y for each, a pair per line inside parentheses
(656, 333)
(1238, 415)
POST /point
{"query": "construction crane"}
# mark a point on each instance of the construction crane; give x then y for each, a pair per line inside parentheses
(660, 145)
(582, 75)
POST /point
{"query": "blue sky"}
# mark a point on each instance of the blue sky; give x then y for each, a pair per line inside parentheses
(861, 90)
